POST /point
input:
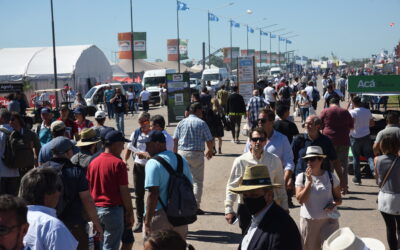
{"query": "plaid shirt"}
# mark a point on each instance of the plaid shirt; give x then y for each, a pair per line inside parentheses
(192, 132)
(255, 104)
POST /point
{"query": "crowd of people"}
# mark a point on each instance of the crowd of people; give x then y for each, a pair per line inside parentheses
(64, 184)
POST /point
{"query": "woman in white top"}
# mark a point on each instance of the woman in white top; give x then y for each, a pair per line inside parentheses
(318, 192)
(131, 99)
(304, 104)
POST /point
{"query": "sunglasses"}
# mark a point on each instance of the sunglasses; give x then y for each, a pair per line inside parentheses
(144, 122)
(256, 139)
(312, 159)
(262, 120)
(4, 230)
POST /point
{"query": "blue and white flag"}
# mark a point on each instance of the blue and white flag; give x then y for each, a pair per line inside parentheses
(182, 6)
(263, 33)
(212, 17)
(249, 29)
(235, 24)
(272, 36)
(304, 58)
(281, 39)
(288, 41)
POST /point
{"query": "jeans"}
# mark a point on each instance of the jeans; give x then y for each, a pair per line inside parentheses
(305, 112)
(361, 147)
(235, 125)
(119, 120)
(138, 180)
(145, 106)
(131, 104)
(112, 220)
(392, 222)
(136, 104)
(110, 110)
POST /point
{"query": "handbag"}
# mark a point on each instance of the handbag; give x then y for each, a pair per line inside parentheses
(388, 173)
(227, 123)
(246, 129)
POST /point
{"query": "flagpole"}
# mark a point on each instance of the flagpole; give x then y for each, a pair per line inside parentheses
(54, 51)
(260, 49)
(179, 41)
(132, 47)
(270, 51)
(209, 43)
(279, 51)
(231, 44)
(247, 34)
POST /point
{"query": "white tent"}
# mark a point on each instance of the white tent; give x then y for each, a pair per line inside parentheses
(80, 66)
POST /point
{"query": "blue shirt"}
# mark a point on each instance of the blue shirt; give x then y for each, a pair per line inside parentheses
(45, 153)
(192, 132)
(255, 104)
(158, 176)
(278, 145)
(46, 232)
(109, 94)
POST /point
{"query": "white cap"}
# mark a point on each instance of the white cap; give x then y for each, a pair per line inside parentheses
(100, 114)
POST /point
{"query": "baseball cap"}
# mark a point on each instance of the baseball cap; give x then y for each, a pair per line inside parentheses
(57, 126)
(114, 136)
(45, 111)
(100, 115)
(104, 132)
(154, 136)
(61, 145)
(79, 110)
(64, 106)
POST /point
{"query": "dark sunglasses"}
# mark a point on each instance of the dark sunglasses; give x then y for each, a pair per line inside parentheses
(255, 139)
(4, 230)
(312, 159)
(262, 120)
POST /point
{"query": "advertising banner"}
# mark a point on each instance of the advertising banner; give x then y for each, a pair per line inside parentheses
(246, 76)
(227, 54)
(264, 56)
(377, 84)
(139, 45)
(172, 49)
(178, 86)
(245, 52)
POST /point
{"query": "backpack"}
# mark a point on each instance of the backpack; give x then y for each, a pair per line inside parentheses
(17, 150)
(286, 92)
(315, 95)
(181, 207)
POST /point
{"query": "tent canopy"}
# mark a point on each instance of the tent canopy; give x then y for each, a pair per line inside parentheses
(142, 65)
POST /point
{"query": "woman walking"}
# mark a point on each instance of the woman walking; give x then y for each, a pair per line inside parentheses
(318, 192)
(304, 103)
(216, 125)
(387, 171)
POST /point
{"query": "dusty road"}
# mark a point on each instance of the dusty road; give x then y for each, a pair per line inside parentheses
(211, 232)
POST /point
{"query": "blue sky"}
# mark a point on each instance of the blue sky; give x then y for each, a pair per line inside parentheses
(349, 28)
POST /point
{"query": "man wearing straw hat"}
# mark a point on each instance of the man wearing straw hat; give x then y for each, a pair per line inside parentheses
(271, 227)
(88, 147)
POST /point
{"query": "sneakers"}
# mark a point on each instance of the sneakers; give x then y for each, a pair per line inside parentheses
(356, 181)
(138, 227)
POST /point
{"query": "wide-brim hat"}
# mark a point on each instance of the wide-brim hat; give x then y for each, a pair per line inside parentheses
(314, 151)
(345, 239)
(255, 177)
(88, 137)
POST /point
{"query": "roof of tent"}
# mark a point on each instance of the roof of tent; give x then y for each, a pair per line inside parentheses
(118, 71)
(16, 63)
(142, 65)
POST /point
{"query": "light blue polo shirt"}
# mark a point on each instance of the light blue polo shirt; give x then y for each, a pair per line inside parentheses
(158, 176)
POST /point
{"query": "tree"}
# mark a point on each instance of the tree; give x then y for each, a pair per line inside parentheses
(324, 58)
(217, 61)
(188, 64)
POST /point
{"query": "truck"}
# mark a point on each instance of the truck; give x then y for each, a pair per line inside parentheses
(152, 80)
(275, 71)
(217, 77)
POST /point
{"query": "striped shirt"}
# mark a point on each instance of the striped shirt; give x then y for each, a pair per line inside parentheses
(255, 104)
(192, 133)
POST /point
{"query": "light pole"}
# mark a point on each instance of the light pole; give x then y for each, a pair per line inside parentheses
(209, 36)
(179, 41)
(54, 51)
(132, 47)
(261, 31)
(285, 45)
(270, 45)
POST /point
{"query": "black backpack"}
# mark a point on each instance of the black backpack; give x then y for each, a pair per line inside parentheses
(286, 92)
(315, 95)
(181, 207)
(18, 151)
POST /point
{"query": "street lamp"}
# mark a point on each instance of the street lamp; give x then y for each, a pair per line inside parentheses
(54, 51)
(208, 19)
(132, 47)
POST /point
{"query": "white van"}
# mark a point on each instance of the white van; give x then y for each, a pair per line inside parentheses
(95, 96)
(217, 77)
(275, 71)
(152, 79)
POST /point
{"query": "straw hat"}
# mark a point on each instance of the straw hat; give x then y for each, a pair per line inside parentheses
(345, 239)
(255, 177)
(314, 151)
(88, 137)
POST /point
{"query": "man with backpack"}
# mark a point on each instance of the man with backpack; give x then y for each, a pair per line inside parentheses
(140, 155)
(285, 93)
(312, 94)
(169, 183)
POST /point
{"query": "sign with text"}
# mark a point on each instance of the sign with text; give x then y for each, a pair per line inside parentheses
(227, 54)
(246, 76)
(178, 86)
(247, 52)
(172, 49)
(139, 45)
(376, 84)
(264, 56)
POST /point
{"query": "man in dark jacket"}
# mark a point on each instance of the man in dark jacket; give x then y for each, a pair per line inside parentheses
(235, 108)
(271, 227)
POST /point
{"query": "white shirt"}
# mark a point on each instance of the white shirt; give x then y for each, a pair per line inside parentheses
(46, 232)
(325, 83)
(145, 95)
(269, 93)
(5, 171)
(361, 117)
(140, 147)
(169, 140)
(130, 95)
(309, 90)
(44, 97)
(255, 221)
(211, 91)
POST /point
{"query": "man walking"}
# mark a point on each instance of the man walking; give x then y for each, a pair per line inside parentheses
(235, 108)
(120, 106)
(392, 129)
(254, 106)
(190, 135)
(108, 182)
(108, 95)
(222, 96)
(338, 132)
(360, 140)
(257, 155)
(144, 99)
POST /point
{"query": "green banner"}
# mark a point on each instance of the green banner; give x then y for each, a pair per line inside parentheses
(384, 84)
(139, 45)
(178, 86)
